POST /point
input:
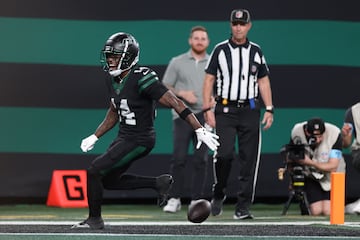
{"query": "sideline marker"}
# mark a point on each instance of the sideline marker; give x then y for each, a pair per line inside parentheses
(68, 189)
(337, 198)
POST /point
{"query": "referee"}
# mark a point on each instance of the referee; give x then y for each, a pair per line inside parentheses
(237, 73)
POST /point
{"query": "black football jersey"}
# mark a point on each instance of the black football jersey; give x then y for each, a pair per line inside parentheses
(135, 99)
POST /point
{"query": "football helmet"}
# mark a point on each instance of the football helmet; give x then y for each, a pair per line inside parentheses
(124, 45)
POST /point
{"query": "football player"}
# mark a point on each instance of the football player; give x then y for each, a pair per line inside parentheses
(133, 91)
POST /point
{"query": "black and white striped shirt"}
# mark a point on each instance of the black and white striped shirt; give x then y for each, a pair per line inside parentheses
(237, 68)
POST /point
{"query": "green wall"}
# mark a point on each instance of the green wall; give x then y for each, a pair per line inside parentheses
(298, 42)
(40, 130)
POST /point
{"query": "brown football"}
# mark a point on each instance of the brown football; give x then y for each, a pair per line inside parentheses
(199, 211)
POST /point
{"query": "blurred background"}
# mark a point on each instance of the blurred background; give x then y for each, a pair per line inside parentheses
(52, 92)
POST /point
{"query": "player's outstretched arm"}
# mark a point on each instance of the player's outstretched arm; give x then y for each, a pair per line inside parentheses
(169, 99)
(210, 139)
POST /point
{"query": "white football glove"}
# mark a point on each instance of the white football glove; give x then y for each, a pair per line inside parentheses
(207, 137)
(88, 143)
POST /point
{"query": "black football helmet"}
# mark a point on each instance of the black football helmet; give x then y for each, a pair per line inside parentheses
(126, 46)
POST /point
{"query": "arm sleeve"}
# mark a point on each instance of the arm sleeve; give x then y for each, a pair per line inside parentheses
(213, 63)
(335, 153)
(150, 86)
(263, 68)
(156, 90)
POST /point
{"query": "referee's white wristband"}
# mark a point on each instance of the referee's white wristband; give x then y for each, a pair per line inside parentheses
(269, 109)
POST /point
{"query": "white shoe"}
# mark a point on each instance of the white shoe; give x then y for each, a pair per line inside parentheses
(173, 205)
(353, 208)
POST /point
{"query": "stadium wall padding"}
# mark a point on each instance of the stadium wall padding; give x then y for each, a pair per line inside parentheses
(52, 92)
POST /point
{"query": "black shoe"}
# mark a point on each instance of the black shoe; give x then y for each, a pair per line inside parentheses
(216, 206)
(242, 214)
(91, 223)
(163, 185)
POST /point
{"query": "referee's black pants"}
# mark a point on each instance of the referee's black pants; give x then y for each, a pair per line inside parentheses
(242, 124)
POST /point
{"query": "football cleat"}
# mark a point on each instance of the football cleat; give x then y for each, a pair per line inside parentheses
(242, 214)
(90, 223)
(163, 185)
(216, 206)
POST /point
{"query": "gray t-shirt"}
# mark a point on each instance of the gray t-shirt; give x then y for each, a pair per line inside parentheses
(185, 73)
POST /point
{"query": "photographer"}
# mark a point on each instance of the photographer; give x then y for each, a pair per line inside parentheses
(322, 155)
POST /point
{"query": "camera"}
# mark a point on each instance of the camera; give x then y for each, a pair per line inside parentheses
(296, 150)
(292, 153)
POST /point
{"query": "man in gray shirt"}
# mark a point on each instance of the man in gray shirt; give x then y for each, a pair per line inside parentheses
(184, 76)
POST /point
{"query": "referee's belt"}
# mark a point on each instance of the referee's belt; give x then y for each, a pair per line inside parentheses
(232, 103)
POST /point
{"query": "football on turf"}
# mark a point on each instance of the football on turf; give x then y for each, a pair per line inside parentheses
(199, 210)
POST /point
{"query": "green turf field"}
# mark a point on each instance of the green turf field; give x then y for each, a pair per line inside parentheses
(149, 212)
(27, 222)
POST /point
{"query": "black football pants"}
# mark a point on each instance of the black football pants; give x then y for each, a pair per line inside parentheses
(107, 171)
